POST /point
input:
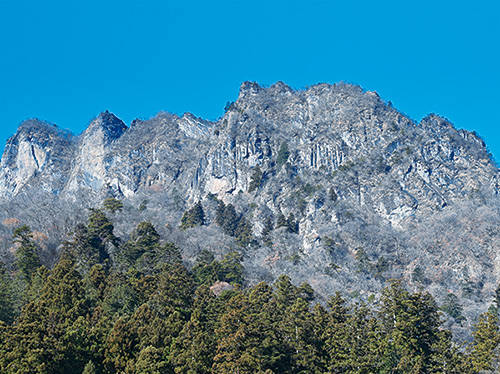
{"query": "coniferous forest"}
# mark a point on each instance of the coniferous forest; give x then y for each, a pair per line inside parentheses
(115, 306)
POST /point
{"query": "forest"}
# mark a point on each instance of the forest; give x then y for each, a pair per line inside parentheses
(133, 306)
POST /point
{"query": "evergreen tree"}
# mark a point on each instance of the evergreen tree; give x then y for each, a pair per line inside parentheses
(233, 224)
(290, 223)
(231, 270)
(283, 154)
(335, 334)
(144, 239)
(151, 361)
(44, 338)
(484, 352)
(27, 257)
(89, 368)
(112, 205)
(193, 217)
(256, 179)
(266, 231)
(452, 307)
(227, 218)
(7, 301)
(281, 221)
(195, 347)
(410, 326)
(243, 232)
(90, 244)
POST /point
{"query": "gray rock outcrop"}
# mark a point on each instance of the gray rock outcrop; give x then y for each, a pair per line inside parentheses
(360, 177)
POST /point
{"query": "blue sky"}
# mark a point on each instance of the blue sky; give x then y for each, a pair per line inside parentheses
(66, 61)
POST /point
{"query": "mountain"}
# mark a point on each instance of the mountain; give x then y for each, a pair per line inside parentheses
(362, 192)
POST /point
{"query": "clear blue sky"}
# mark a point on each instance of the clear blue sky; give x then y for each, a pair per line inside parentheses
(66, 61)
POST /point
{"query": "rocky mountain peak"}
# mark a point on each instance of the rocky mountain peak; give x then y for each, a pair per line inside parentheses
(367, 194)
(249, 88)
(38, 128)
(37, 148)
(108, 125)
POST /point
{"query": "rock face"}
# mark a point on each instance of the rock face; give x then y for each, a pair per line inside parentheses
(90, 168)
(37, 156)
(360, 178)
(363, 147)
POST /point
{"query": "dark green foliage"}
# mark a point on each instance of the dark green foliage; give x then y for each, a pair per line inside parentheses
(89, 368)
(193, 217)
(145, 252)
(418, 275)
(256, 179)
(410, 326)
(27, 257)
(381, 267)
(292, 226)
(266, 231)
(452, 307)
(281, 221)
(227, 218)
(229, 105)
(207, 270)
(332, 195)
(308, 189)
(155, 316)
(243, 232)
(144, 205)
(112, 205)
(145, 239)
(90, 243)
(484, 352)
(7, 300)
(233, 224)
(231, 268)
(362, 260)
(283, 154)
(332, 269)
(496, 299)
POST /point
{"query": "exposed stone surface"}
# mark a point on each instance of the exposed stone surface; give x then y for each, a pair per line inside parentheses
(37, 156)
(359, 175)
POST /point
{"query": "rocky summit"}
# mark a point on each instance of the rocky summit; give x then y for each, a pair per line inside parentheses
(336, 187)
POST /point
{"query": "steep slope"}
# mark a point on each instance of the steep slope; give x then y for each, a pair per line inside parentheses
(369, 193)
(37, 156)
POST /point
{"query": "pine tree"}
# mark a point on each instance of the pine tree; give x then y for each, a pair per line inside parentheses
(281, 221)
(44, 339)
(283, 154)
(335, 334)
(89, 368)
(243, 232)
(291, 224)
(227, 218)
(193, 217)
(27, 257)
(196, 344)
(256, 179)
(90, 244)
(266, 231)
(112, 205)
(410, 326)
(484, 352)
(144, 239)
(231, 269)
(7, 301)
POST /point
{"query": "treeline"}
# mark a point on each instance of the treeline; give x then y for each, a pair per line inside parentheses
(112, 306)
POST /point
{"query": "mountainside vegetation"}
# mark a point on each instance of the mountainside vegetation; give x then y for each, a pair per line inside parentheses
(111, 305)
(329, 185)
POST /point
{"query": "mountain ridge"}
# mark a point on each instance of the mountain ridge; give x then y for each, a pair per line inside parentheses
(369, 190)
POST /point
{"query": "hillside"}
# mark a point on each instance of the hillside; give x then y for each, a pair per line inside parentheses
(330, 185)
